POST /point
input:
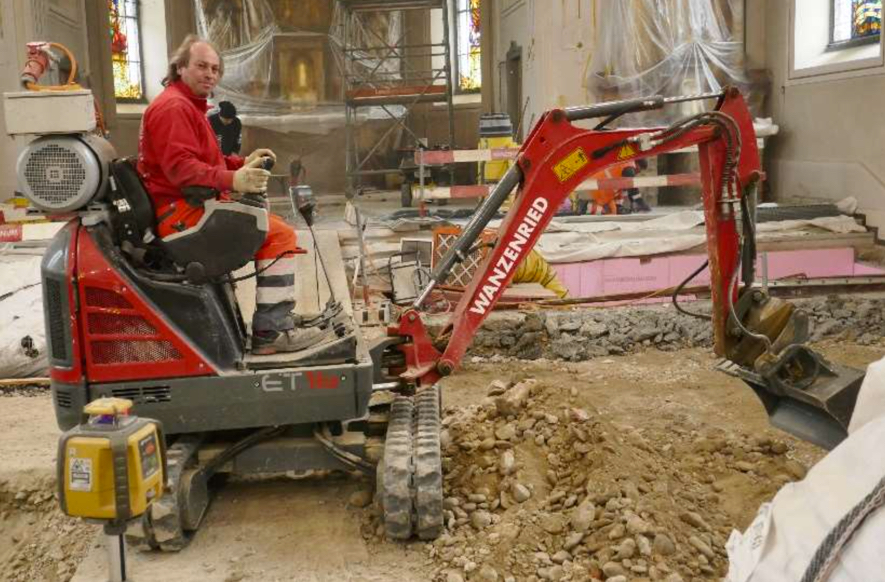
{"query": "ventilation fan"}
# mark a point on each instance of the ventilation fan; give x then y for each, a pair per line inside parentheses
(63, 173)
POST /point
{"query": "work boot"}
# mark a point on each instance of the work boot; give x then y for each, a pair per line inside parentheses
(265, 343)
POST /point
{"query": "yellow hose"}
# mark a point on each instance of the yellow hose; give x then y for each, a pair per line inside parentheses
(534, 269)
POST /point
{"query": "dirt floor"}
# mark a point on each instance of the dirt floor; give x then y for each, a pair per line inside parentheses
(636, 466)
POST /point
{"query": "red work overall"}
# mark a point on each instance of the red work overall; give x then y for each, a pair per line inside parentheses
(177, 148)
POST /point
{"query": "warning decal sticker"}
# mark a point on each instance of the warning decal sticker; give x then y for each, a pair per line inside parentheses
(80, 474)
(626, 152)
(570, 165)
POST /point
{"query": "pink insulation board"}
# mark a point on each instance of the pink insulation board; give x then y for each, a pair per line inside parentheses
(626, 275)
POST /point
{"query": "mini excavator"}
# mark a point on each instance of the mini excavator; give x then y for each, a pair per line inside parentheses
(156, 321)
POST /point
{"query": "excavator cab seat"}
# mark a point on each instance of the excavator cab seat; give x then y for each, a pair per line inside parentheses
(227, 236)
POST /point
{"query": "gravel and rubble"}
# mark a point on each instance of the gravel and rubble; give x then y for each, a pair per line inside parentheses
(538, 488)
(39, 542)
(583, 334)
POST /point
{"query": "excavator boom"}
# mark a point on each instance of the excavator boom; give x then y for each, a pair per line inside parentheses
(761, 339)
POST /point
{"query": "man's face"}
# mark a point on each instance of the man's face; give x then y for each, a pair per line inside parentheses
(225, 120)
(202, 71)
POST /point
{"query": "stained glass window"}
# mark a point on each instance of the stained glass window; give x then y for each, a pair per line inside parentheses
(855, 22)
(126, 50)
(467, 35)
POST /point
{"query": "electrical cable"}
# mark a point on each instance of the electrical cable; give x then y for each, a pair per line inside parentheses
(69, 85)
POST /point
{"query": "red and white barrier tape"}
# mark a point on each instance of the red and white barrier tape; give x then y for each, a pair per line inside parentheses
(445, 192)
(18, 232)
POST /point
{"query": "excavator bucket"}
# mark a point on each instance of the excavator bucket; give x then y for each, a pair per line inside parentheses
(804, 394)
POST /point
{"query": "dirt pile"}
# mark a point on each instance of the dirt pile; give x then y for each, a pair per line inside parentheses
(538, 488)
(38, 542)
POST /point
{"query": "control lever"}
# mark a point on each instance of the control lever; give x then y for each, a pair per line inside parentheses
(303, 203)
(258, 199)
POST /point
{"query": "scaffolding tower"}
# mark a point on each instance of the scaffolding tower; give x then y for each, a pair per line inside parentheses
(392, 75)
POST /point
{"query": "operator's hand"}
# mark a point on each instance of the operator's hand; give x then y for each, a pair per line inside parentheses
(261, 153)
(251, 178)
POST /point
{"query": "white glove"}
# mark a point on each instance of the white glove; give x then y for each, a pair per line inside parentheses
(260, 153)
(251, 178)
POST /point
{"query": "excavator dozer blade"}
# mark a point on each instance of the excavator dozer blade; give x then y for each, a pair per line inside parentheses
(804, 394)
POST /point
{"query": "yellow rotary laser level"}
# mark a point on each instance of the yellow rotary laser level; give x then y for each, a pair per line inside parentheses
(111, 468)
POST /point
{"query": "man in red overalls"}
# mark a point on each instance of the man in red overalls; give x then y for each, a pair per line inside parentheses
(177, 148)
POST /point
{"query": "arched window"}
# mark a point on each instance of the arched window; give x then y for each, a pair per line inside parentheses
(128, 66)
(468, 64)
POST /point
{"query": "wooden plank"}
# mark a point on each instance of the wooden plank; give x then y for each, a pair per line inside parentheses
(305, 277)
(856, 240)
(14, 382)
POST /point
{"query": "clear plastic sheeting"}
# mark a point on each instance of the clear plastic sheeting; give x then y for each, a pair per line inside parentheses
(373, 34)
(22, 335)
(284, 64)
(668, 47)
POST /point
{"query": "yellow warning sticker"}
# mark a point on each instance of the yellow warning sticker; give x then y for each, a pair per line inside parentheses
(570, 165)
(626, 152)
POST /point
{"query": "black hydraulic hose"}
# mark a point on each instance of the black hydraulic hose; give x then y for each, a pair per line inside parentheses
(613, 108)
(253, 439)
(459, 251)
(679, 288)
(346, 457)
(261, 270)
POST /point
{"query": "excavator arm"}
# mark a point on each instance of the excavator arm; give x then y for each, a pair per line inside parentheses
(761, 339)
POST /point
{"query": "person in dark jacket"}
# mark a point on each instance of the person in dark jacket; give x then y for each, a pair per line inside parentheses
(228, 128)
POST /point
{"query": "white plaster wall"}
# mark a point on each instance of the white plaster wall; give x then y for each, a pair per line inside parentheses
(812, 22)
(9, 69)
(832, 141)
(436, 37)
(557, 38)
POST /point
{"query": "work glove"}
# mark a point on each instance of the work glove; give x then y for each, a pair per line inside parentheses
(261, 153)
(251, 178)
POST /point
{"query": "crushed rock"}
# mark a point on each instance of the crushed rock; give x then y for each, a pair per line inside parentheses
(584, 498)
(39, 542)
(587, 333)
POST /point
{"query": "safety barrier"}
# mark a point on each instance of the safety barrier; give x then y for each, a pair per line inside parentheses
(439, 157)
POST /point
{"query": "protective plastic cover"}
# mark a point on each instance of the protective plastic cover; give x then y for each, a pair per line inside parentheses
(258, 45)
(668, 47)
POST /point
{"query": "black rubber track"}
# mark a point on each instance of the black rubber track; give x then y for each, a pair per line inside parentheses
(428, 482)
(160, 528)
(396, 471)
